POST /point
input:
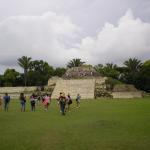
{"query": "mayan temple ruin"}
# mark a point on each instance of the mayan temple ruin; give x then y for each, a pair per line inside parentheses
(83, 80)
(86, 81)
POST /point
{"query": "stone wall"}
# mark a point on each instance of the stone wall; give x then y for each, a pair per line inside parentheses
(17, 89)
(52, 81)
(126, 91)
(124, 88)
(14, 92)
(137, 94)
(85, 87)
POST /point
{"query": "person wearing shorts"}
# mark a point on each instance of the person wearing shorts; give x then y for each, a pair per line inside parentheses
(46, 102)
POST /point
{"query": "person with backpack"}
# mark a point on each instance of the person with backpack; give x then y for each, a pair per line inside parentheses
(6, 99)
(58, 99)
(62, 103)
(22, 99)
(32, 101)
(69, 102)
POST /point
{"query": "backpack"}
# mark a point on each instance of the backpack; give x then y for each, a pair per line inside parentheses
(70, 101)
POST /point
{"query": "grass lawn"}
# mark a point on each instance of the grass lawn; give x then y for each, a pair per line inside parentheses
(96, 125)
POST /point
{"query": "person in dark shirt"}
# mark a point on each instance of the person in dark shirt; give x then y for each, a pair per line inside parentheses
(62, 103)
(22, 99)
(32, 101)
(69, 102)
(58, 99)
(6, 99)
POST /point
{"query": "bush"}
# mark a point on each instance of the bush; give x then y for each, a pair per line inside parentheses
(110, 83)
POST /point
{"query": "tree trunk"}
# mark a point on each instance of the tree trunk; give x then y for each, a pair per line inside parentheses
(25, 77)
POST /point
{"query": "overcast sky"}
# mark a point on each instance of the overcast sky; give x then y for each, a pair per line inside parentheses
(97, 31)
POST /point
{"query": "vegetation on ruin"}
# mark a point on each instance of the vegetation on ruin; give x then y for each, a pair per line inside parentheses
(37, 72)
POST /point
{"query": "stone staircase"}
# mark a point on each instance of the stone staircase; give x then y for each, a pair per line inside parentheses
(85, 87)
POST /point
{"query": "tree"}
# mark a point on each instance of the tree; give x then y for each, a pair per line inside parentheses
(144, 78)
(99, 68)
(40, 72)
(109, 70)
(133, 65)
(132, 70)
(59, 72)
(111, 66)
(10, 77)
(1, 80)
(25, 63)
(75, 63)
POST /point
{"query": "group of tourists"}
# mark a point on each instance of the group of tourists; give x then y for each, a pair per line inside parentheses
(63, 101)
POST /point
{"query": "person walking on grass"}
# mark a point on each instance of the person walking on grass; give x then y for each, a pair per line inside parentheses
(69, 102)
(0, 103)
(32, 101)
(6, 99)
(78, 100)
(47, 100)
(58, 100)
(62, 103)
(22, 99)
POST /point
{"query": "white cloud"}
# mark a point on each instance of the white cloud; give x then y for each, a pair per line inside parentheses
(41, 37)
(130, 38)
(54, 37)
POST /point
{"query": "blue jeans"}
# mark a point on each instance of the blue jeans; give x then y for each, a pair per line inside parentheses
(23, 105)
(32, 105)
(62, 107)
(6, 106)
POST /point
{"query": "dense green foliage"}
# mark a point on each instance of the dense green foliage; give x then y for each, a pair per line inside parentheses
(11, 78)
(75, 63)
(143, 81)
(59, 72)
(37, 72)
(132, 72)
(110, 83)
(108, 70)
(96, 125)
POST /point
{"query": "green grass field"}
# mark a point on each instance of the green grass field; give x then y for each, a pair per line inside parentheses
(96, 125)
